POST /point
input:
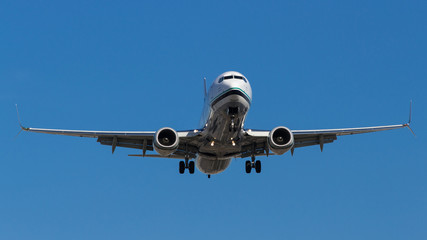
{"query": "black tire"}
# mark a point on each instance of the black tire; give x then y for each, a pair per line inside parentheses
(191, 167)
(258, 166)
(248, 166)
(181, 167)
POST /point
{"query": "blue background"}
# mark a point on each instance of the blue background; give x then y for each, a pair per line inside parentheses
(139, 65)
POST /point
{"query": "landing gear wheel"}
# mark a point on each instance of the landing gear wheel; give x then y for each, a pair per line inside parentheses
(181, 167)
(191, 167)
(258, 166)
(248, 166)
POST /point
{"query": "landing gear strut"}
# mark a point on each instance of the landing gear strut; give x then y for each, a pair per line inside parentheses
(186, 165)
(233, 112)
(233, 126)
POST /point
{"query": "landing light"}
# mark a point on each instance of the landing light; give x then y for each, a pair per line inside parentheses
(212, 143)
(233, 143)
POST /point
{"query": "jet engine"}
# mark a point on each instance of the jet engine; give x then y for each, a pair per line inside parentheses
(280, 140)
(166, 141)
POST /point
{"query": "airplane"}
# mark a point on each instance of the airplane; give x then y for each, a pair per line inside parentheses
(221, 135)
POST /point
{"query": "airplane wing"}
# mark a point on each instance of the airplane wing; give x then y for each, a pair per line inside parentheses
(255, 143)
(256, 140)
(129, 139)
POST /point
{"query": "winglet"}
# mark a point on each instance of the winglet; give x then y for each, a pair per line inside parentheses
(19, 119)
(410, 118)
(410, 129)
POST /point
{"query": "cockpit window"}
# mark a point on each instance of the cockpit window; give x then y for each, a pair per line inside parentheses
(231, 77)
(240, 77)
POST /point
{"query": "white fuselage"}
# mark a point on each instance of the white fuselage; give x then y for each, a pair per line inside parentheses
(226, 105)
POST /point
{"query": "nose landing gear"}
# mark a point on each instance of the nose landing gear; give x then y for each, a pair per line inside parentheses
(233, 112)
(233, 125)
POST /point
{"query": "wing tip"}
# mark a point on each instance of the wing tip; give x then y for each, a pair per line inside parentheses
(410, 119)
(410, 129)
(19, 119)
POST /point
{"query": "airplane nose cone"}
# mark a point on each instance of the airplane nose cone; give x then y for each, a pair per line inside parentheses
(231, 84)
(233, 81)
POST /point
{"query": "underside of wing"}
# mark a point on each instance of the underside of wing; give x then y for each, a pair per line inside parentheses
(305, 138)
(130, 139)
(256, 141)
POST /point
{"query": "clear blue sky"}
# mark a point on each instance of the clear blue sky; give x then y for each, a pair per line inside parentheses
(137, 65)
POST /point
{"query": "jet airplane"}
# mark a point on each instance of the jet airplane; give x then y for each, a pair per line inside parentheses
(221, 135)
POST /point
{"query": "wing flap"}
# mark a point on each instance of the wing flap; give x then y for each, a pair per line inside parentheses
(310, 140)
(137, 143)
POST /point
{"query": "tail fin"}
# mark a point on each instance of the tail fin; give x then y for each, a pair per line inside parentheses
(206, 91)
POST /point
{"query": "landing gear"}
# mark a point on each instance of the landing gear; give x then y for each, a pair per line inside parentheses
(181, 167)
(258, 166)
(187, 164)
(253, 164)
(191, 167)
(248, 166)
(233, 126)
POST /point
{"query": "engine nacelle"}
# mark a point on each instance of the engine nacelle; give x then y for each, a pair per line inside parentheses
(166, 141)
(280, 140)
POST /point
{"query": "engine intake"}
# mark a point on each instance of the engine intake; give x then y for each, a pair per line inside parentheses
(166, 141)
(280, 140)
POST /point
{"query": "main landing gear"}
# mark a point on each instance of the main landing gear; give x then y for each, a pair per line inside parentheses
(186, 165)
(253, 164)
